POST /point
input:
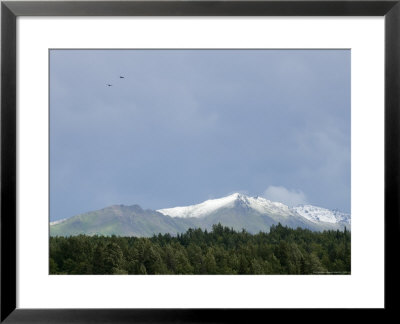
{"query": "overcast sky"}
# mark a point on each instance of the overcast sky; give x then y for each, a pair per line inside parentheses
(184, 126)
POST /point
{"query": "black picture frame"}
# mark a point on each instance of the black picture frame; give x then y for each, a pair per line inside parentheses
(10, 10)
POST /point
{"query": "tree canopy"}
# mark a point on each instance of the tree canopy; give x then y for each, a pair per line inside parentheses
(221, 251)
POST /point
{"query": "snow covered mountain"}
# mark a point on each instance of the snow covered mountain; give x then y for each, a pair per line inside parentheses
(256, 208)
(237, 211)
(208, 207)
(318, 214)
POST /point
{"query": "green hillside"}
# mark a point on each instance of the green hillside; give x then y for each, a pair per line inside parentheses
(120, 220)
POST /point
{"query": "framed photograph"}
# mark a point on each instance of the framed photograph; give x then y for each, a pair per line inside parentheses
(193, 160)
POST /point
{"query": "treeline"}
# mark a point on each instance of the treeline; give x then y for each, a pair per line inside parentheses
(222, 251)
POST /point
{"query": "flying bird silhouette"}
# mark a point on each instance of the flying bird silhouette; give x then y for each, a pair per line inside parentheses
(109, 85)
(121, 77)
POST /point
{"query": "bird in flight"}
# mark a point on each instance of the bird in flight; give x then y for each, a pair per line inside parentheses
(109, 85)
(121, 77)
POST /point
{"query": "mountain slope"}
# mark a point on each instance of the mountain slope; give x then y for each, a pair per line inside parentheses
(209, 207)
(317, 214)
(120, 220)
(237, 211)
(252, 213)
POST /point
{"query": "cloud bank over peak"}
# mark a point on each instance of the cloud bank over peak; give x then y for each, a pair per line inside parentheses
(290, 197)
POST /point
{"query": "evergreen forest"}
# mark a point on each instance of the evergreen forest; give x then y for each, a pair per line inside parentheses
(221, 251)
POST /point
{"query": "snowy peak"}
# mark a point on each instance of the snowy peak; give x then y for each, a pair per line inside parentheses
(203, 209)
(235, 200)
(244, 205)
(317, 214)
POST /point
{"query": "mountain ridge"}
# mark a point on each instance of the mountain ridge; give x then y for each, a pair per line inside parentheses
(238, 211)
